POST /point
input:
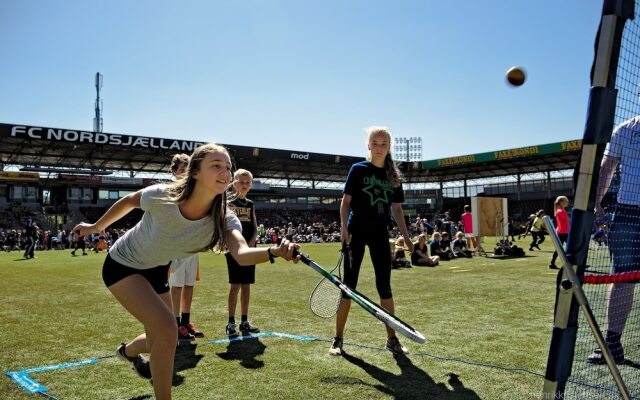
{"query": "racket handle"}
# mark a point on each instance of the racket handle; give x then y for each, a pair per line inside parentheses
(303, 257)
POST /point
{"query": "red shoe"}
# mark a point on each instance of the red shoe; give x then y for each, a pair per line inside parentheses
(194, 331)
(184, 334)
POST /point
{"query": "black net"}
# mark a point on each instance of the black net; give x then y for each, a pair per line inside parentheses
(614, 249)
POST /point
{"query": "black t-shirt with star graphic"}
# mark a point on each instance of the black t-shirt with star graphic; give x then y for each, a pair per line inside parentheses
(372, 195)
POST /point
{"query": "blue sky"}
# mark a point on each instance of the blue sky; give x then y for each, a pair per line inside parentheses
(303, 75)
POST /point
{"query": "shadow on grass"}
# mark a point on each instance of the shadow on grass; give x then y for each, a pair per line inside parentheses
(186, 358)
(631, 364)
(146, 396)
(246, 352)
(412, 383)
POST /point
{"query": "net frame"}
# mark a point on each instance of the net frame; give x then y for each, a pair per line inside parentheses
(600, 120)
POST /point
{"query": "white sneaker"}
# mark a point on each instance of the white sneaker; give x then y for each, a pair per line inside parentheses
(336, 346)
(394, 346)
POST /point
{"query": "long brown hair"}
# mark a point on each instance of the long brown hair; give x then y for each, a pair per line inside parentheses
(393, 174)
(182, 189)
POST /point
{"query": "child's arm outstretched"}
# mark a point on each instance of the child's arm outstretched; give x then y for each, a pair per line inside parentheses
(245, 255)
(118, 210)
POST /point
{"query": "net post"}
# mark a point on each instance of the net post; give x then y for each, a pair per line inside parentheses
(597, 132)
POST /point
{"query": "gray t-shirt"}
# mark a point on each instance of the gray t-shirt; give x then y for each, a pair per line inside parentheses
(163, 234)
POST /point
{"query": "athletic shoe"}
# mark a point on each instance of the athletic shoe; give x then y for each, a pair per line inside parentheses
(553, 266)
(231, 329)
(139, 363)
(246, 327)
(394, 346)
(530, 248)
(73, 253)
(183, 334)
(336, 346)
(193, 330)
(597, 358)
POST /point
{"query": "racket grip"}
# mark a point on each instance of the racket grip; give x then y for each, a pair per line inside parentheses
(303, 257)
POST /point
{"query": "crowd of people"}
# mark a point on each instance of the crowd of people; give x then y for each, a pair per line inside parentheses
(61, 239)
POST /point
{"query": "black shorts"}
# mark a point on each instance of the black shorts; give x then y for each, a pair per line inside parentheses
(240, 274)
(158, 277)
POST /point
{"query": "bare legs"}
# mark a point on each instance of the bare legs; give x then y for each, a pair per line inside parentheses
(154, 312)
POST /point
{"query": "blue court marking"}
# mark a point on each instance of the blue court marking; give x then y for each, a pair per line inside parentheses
(264, 334)
(26, 382)
(29, 384)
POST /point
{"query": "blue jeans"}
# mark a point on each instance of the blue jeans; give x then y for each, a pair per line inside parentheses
(624, 238)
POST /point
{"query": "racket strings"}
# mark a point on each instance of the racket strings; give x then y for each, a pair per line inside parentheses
(326, 297)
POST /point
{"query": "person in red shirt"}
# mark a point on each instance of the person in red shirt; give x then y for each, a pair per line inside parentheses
(562, 225)
(467, 223)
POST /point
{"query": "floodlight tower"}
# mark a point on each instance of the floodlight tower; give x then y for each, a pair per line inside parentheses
(408, 149)
(97, 120)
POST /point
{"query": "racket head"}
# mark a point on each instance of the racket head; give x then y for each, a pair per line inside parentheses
(326, 296)
(325, 299)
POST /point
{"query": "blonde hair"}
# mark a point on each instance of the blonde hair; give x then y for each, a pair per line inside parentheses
(242, 172)
(565, 199)
(459, 234)
(182, 189)
(436, 235)
(393, 174)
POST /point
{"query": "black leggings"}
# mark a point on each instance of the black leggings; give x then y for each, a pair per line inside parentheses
(563, 239)
(377, 239)
(538, 237)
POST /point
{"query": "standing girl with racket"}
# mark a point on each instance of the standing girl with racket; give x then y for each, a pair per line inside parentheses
(372, 194)
(180, 219)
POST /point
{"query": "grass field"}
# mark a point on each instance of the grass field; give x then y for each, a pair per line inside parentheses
(487, 322)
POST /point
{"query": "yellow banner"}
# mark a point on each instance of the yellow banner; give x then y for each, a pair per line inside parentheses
(19, 176)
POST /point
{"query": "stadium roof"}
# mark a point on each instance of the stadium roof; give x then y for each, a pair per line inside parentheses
(95, 152)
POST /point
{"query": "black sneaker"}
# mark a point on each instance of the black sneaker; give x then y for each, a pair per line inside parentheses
(394, 346)
(597, 358)
(553, 266)
(139, 363)
(336, 346)
(231, 329)
(193, 330)
(246, 327)
(184, 334)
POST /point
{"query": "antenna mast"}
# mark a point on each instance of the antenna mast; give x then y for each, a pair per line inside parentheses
(97, 120)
